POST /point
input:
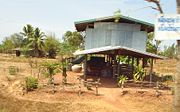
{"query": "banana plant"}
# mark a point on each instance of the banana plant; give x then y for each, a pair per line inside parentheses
(122, 80)
(52, 69)
(139, 74)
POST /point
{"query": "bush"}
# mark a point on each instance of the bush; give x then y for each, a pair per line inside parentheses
(13, 70)
(122, 80)
(167, 78)
(31, 83)
(25, 51)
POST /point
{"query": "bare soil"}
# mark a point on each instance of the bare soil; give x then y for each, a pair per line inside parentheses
(165, 67)
(109, 99)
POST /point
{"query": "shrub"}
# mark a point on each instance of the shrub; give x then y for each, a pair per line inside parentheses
(122, 80)
(139, 74)
(31, 83)
(13, 70)
(51, 70)
(167, 78)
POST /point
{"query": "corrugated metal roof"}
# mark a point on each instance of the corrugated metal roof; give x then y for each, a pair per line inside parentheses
(121, 50)
(81, 25)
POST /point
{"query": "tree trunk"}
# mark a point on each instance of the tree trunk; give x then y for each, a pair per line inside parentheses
(177, 75)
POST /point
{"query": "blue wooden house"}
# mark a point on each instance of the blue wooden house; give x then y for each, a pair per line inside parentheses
(110, 39)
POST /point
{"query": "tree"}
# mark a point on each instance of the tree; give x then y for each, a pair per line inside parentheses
(157, 2)
(170, 51)
(176, 106)
(66, 50)
(37, 42)
(52, 46)
(74, 39)
(34, 38)
(17, 39)
(7, 45)
(28, 31)
(151, 44)
(122, 79)
(11, 42)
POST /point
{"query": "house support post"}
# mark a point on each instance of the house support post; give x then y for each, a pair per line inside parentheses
(129, 58)
(132, 64)
(137, 64)
(118, 68)
(151, 71)
(85, 68)
(143, 62)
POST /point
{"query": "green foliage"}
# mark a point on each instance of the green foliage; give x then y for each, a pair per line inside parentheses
(25, 51)
(31, 83)
(117, 15)
(123, 59)
(74, 39)
(52, 46)
(1, 48)
(34, 39)
(33, 42)
(122, 80)
(7, 45)
(13, 70)
(167, 78)
(36, 42)
(170, 51)
(139, 74)
(17, 40)
(11, 42)
(66, 49)
(28, 31)
(152, 45)
(52, 68)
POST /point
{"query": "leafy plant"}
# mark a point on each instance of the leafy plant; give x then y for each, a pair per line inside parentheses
(35, 39)
(31, 83)
(74, 39)
(139, 74)
(13, 70)
(167, 78)
(52, 69)
(25, 51)
(122, 80)
(64, 65)
(52, 46)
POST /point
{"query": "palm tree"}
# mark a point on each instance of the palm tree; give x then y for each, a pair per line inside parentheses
(34, 39)
(36, 42)
(28, 31)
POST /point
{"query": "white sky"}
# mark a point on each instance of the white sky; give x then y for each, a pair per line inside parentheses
(58, 16)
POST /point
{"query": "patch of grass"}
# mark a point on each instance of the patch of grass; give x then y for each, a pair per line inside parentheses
(13, 70)
(31, 83)
(2, 109)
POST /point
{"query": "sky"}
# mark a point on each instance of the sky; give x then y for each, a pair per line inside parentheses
(58, 16)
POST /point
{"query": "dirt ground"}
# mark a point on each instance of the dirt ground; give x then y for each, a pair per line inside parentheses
(109, 99)
(165, 67)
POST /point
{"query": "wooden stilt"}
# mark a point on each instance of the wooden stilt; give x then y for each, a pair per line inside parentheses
(137, 62)
(151, 71)
(143, 62)
(129, 59)
(85, 67)
(132, 64)
(118, 68)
